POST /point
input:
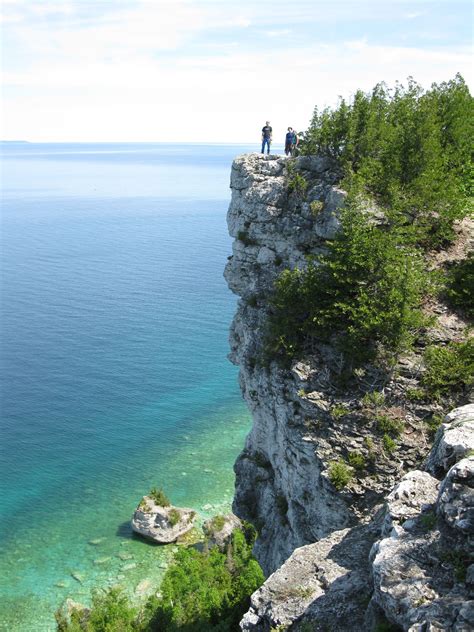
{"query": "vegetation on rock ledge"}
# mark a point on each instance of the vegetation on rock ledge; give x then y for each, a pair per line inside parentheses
(202, 591)
(404, 156)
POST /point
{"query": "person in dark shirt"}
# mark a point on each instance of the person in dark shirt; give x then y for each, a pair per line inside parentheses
(266, 137)
(290, 140)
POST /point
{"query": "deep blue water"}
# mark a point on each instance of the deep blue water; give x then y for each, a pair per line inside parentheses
(114, 377)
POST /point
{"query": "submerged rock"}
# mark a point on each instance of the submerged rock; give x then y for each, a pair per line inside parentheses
(161, 524)
(78, 576)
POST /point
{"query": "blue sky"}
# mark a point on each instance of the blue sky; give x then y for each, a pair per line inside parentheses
(189, 70)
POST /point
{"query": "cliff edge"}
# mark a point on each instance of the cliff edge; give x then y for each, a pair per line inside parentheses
(317, 466)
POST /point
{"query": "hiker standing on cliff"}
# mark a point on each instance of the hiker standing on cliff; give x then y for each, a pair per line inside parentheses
(290, 140)
(294, 143)
(266, 137)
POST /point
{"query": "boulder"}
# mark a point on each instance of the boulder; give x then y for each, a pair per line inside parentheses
(219, 529)
(161, 524)
(454, 440)
(456, 497)
(416, 492)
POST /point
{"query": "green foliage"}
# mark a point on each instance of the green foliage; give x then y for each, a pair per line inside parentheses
(339, 474)
(449, 369)
(408, 148)
(110, 612)
(159, 496)
(415, 394)
(389, 444)
(252, 301)
(459, 563)
(428, 520)
(459, 290)
(339, 411)
(316, 207)
(244, 237)
(217, 523)
(200, 592)
(174, 517)
(298, 184)
(356, 460)
(373, 399)
(433, 423)
(206, 591)
(389, 425)
(144, 506)
(383, 625)
(367, 289)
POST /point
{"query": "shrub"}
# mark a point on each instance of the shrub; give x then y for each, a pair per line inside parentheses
(408, 148)
(174, 517)
(389, 444)
(217, 523)
(339, 474)
(159, 496)
(367, 290)
(206, 591)
(298, 184)
(339, 411)
(316, 207)
(373, 399)
(433, 423)
(200, 591)
(459, 291)
(428, 520)
(110, 610)
(356, 460)
(243, 236)
(389, 425)
(415, 394)
(449, 369)
(144, 506)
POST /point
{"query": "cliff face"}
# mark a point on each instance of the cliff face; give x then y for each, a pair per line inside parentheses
(280, 487)
(304, 422)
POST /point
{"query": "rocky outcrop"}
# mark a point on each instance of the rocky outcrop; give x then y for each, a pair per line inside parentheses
(305, 424)
(411, 566)
(218, 530)
(453, 441)
(423, 572)
(302, 422)
(162, 524)
(319, 584)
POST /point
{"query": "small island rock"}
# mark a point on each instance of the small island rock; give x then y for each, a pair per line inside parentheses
(162, 524)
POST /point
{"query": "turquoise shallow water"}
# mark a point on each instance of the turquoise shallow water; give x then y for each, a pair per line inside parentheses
(114, 374)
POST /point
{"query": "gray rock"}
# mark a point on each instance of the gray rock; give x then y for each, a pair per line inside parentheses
(219, 529)
(454, 439)
(159, 523)
(456, 497)
(415, 492)
(328, 221)
(319, 584)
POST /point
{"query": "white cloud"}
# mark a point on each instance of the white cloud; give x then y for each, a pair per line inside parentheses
(129, 75)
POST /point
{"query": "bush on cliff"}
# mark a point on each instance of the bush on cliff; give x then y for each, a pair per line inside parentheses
(449, 369)
(201, 591)
(367, 290)
(409, 149)
(459, 291)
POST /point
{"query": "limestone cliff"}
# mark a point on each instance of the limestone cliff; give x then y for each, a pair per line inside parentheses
(303, 422)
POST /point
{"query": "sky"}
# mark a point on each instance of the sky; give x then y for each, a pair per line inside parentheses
(211, 70)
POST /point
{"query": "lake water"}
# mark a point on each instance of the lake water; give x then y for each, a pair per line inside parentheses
(114, 325)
